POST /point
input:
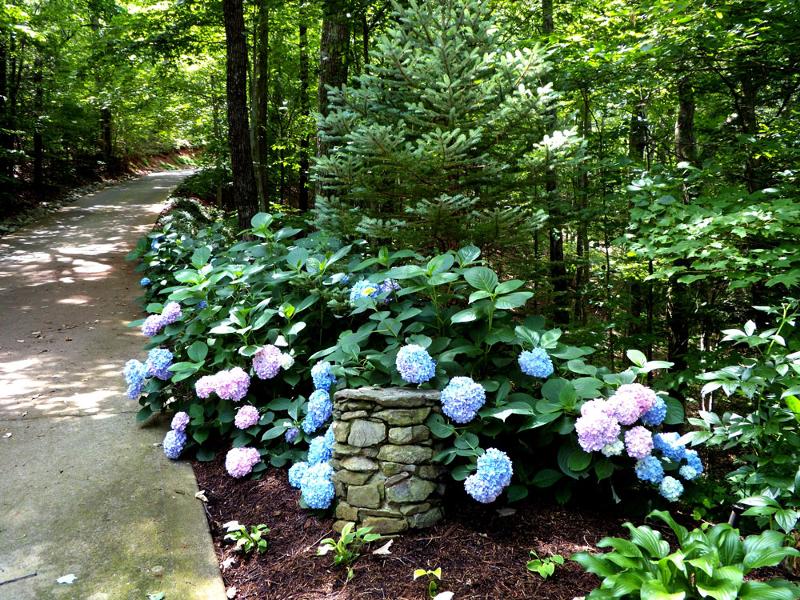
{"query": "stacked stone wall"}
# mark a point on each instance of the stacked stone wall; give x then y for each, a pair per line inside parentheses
(384, 473)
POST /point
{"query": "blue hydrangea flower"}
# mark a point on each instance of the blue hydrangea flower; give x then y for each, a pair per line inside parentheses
(135, 373)
(322, 375)
(481, 490)
(536, 363)
(320, 409)
(296, 473)
(291, 435)
(363, 289)
(693, 461)
(173, 444)
(671, 488)
(144, 281)
(202, 304)
(613, 449)
(649, 469)
(688, 473)
(655, 416)
(667, 444)
(154, 244)
(462, 398)
(316, 486)
(415, 365)
(495, 466)
(158, 363)
(387, 288)
(320, 449)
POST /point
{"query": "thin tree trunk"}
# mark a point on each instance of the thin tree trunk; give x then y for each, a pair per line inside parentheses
(333, 51)
(582, 241)
(5, 138)
(260, 101)
(245, 194)
(106, 138)
(637, 145)
(303, 201)
(38, 108)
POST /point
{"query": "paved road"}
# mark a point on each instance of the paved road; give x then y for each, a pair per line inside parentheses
(84, 490)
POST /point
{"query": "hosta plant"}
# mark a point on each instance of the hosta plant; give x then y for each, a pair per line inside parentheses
(711, 563)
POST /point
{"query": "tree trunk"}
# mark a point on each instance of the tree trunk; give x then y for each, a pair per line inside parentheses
(333, 51)
(260, 100)
(753, 168)
(38, 108)
(303, 203)
(106, 138)
(582, 242)
(245, 195)
(5, 138)
(558, 269)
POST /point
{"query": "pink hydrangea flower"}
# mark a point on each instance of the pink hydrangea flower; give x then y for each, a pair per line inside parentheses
(638, 442)
(239, 462)
(153, 324)
(267, 361)
(180, 421)
(643, 396)
(171, 312)
(596, 429)
(205, 386)
(232, 384)
(624, 408)
(246, 416)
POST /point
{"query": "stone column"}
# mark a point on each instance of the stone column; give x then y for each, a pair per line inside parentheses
(382, 459)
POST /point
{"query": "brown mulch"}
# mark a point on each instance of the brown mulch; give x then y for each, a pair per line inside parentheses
(481, 553)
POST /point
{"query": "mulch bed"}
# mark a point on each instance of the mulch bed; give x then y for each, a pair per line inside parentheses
(481, 553)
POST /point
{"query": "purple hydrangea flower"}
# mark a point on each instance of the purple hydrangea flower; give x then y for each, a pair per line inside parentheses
(638, 442)
(643, 396)
(624, 408)
(291, 435)
(239, 462)
(296, 473)
(171, 312)
(320, 409)
(180, 421)
(267, 361)
(462, 398)
(536, 363)
(657, 413)
(322, 375)
(153, 324)
(649, 469)
(595, 427)
(135, 373)
(316, 486)
(415, 365)
(158, 363)
(388, 287)
(670, 488)
(232, 384)
(246, 417)
(173, 444)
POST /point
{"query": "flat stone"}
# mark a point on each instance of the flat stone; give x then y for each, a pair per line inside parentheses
(395, 479)
(409, 455)
(364, 496)
(385, 525)
(412, 489)
(345, 511)
(409, 435)
(359, 463)
(341, 450)
(351, 478)
(366, 433)
(340, 431)
(426, 519)
(392, 468)
(403, 416)
(339, 525)
(358, 414)
(370, 452)
(413, 509)
(391, 397)
(384, 512)
(432, 472)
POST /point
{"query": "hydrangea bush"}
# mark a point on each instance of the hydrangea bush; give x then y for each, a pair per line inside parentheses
(263, 331)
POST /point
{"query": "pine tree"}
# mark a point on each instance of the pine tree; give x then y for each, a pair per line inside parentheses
(428, 146)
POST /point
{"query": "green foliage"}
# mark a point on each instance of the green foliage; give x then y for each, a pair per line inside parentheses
(708, 563)
(544, 567)
(428, 145)
(247, 539)
(762, 377)
(432, 576)
(347, 549)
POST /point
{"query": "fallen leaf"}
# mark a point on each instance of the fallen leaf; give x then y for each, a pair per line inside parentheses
(67, 578)
(201, 495)
(506, 512)
(384, 549)
(444, 596)
(156, 596)
(228, 562)
(231, 592)
(8, 435)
